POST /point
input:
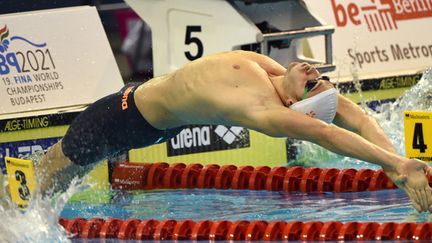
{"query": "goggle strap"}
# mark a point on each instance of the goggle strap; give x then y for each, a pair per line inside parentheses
(305, 93)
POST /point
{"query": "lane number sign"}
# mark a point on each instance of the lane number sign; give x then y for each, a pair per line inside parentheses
(22, 181)
(190, 39)
(418, 135)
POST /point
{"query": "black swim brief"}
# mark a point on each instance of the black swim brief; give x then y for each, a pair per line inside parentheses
(110, 126)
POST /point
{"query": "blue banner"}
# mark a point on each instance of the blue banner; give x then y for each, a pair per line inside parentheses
(23, 149)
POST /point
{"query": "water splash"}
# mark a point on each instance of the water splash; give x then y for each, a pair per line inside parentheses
(390, 118)
(39, 221)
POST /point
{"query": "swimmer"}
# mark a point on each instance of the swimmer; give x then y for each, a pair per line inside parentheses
(235, 88)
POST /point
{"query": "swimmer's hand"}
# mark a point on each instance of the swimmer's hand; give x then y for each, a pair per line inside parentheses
(411, 176)
(1, 186)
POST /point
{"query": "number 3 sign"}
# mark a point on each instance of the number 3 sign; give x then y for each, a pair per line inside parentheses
(22, 181)
(418, 135)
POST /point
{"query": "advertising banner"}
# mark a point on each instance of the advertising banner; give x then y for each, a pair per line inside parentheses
(217, 145)
(23, 149)
(54, 58)
(376, 36)
(196, 139)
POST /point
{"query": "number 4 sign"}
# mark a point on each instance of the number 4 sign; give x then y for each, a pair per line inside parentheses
(418, 135)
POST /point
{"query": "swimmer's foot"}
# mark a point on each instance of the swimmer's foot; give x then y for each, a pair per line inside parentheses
(4, 192)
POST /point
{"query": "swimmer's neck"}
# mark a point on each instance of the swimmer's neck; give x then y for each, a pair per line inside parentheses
(277, 82)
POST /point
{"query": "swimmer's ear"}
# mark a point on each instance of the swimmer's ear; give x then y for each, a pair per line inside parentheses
(289, 102)
(291, 65)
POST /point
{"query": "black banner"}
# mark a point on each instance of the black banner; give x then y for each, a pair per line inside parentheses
(35, 122)
(391, 82)
(196, 139)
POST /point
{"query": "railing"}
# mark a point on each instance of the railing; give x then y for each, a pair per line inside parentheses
(327, 31)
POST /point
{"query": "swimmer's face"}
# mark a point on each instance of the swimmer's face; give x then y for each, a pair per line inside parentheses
(296, 79)
(314, 87)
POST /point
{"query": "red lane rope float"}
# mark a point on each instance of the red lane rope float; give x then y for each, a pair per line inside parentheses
(152, 229)
(132, 176)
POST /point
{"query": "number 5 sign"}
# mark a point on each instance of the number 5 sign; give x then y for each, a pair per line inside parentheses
(418, 135)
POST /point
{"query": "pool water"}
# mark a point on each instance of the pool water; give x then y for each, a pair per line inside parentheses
(212, 204)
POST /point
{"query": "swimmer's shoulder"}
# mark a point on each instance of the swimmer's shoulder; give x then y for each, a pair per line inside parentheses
(249, 55)
(247, 60)
(236, 54)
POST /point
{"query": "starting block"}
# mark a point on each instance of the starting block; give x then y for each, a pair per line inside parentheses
(22, 180)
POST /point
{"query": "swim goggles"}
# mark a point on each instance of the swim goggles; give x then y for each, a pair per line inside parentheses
(311, 83)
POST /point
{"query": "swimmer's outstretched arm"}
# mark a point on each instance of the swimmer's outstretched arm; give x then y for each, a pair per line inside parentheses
(409, 175)
(352, 117)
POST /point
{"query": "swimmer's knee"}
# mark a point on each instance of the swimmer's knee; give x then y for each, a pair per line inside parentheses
(55, 155)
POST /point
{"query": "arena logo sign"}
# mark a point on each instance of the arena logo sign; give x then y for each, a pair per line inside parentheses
(380, 15)
(196, 139)
(27, 69)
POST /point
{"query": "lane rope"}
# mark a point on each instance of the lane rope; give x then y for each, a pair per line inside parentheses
(243, 230)
(147, 176)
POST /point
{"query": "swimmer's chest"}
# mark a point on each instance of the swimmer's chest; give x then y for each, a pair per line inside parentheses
(223, 89)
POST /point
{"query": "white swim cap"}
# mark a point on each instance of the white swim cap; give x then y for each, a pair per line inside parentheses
(322, 106)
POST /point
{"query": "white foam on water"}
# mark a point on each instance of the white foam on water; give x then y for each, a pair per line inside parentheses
(39, 221)
(390, 118)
